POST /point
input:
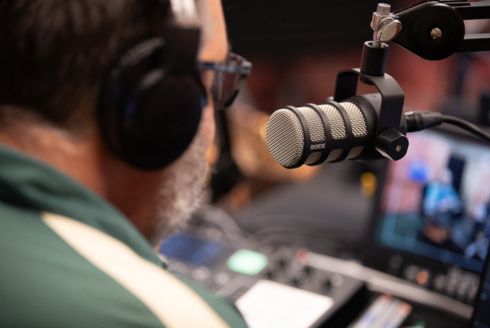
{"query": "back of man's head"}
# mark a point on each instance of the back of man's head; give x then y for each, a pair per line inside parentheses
(56, 53)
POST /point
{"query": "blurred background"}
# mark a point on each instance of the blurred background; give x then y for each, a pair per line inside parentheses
(297, 48)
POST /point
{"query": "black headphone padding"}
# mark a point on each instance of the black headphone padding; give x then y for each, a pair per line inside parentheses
(149, 117)
(158, 135)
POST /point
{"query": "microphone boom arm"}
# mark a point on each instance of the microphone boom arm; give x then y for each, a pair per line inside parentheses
(435, 30)
(432, 30)
(373, 126)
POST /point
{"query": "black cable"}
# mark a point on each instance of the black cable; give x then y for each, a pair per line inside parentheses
(466, 126)
(416, 121)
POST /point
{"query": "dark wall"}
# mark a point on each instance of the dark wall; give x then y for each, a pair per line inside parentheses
(292, 27)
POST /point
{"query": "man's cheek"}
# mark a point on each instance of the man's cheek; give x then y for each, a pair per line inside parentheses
(207, 128)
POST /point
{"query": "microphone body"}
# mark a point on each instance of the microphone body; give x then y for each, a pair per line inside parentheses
(329, 132)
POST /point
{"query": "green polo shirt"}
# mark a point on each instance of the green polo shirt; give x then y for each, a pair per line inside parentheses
(56, 267)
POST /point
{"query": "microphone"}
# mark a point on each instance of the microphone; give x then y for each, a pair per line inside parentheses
(330, 132)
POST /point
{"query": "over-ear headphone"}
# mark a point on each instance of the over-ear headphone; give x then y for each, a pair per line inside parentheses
(152, 99)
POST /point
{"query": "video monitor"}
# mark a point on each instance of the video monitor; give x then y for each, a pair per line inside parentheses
(433, 207)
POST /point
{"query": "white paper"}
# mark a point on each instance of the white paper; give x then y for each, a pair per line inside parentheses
(269, 305)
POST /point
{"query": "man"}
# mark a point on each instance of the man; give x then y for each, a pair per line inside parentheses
(75, 215)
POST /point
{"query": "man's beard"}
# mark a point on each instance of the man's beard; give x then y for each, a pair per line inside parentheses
(181, 190)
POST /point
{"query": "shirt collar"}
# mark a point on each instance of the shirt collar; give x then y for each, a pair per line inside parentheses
(31, 184)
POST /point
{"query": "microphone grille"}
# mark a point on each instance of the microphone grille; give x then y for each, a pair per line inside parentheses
(285, 125)
(316, 130)
(336, 122)
(358, 122)
(315, 125)
(316, 133)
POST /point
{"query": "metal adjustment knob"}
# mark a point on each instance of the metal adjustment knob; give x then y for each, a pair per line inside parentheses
(385, 26)
(392, 144)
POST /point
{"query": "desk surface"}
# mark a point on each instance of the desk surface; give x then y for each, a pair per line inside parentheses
(328, 214)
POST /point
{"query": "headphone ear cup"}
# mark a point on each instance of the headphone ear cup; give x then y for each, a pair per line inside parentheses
(165, 123)
(149, 113)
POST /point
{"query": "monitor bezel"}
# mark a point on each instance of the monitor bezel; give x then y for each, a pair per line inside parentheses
(485, 271)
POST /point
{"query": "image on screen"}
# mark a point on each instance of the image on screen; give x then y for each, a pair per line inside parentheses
(436, 201)
(193, 250)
